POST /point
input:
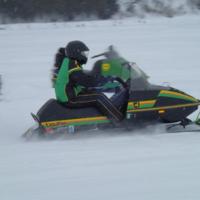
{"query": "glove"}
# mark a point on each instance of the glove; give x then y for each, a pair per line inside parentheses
(110, 78)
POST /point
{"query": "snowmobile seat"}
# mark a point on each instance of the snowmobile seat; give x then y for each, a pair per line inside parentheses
(53, 110)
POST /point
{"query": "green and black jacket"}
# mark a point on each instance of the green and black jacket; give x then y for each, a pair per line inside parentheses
(71, 80)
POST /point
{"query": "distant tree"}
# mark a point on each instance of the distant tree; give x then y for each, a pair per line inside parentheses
(28, 10)
(195, 3)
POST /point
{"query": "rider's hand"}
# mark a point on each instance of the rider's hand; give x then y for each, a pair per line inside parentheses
(110, 78)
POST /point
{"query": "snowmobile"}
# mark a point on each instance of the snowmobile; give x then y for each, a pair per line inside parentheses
(140, 102)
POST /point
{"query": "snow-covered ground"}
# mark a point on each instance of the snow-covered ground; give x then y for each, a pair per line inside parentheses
(145, 166)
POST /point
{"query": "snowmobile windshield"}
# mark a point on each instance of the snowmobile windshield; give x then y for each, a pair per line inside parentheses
(139, 79)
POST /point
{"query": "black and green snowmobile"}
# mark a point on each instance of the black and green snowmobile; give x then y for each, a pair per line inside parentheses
(140, 101)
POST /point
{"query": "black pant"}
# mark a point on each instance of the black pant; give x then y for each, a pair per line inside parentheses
(99, 101)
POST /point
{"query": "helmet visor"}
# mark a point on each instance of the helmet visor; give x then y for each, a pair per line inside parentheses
(85, 53)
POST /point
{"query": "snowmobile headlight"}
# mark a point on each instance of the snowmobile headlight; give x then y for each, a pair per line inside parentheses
(161, 111)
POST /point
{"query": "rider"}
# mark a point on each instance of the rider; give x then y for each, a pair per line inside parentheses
(70, 81)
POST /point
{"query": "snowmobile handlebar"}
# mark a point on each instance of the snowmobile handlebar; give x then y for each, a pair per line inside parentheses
(110, 79)
(122, 82)
(98, 55)
(110, 53)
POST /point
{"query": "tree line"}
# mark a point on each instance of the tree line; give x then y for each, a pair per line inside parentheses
(68, 10)
(56, 10)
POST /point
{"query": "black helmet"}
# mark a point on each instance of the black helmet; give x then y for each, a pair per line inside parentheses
(77, 50)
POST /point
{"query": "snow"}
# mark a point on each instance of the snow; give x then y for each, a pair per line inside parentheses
(139, 165)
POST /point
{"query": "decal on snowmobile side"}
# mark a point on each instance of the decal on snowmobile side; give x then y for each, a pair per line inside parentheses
(141, 104)
(80, 121)
(105, 67)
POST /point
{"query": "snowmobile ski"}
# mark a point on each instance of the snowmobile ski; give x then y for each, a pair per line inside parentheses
(184, 126)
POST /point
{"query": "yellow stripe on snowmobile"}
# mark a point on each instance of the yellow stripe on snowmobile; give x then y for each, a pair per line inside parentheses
(148, 102)
(165, 107)
(166, 92)
(143, 102)
(69, 121)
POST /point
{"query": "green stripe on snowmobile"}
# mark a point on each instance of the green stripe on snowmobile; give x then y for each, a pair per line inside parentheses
(164, 107)
(171, 94)
(147, 106)
(141, 106)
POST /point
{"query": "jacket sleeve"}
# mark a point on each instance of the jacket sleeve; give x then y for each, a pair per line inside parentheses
(80, 78)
